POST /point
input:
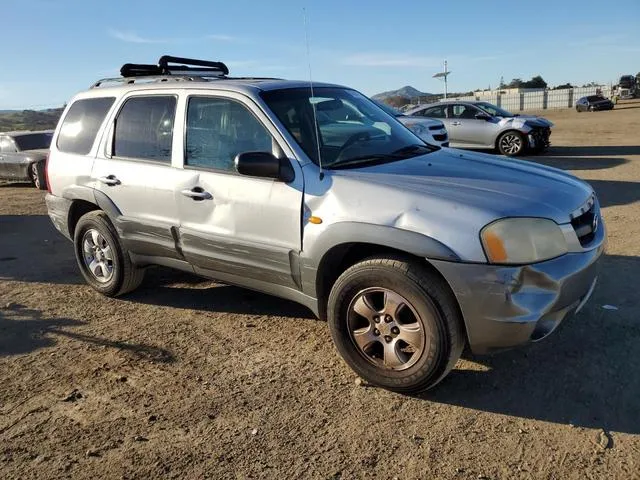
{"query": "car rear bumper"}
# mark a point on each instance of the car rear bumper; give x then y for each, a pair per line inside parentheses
(58, 209)
(506, 306)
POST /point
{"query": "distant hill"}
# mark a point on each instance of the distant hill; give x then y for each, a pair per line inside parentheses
(406, 92)
(29, 119)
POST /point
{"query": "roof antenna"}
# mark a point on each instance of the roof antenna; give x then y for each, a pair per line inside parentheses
(313, 105)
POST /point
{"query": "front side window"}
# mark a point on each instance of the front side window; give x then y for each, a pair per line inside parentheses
(81, 124)
(342, 127)
(218, 129)
(463, 111)
(144, 128)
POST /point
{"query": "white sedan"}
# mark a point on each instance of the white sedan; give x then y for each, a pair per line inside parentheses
(430, 130)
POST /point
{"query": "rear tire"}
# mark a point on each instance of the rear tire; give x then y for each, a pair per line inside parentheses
(103, 261)
(395, 323)
(511, 143)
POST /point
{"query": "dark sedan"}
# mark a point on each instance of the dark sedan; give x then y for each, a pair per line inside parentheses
(593, 103)
(23, 155)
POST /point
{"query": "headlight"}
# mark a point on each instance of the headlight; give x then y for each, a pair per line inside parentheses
(522, 240)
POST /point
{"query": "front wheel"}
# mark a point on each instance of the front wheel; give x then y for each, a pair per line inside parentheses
(511, 143)
(36, 173)
(395, 323)
(103, 261)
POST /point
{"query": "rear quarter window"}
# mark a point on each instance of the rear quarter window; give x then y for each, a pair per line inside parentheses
(81, 124)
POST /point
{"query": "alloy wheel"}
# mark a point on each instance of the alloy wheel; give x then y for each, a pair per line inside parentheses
(34, 175)
(97, 255)
(511, 143)
(386, 328)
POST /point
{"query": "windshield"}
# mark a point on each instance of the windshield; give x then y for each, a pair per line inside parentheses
(33, 141)
(388, 108)
(352, 129)
(493, 110)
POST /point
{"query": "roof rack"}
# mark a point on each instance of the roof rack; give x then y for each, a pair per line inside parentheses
(168, 66)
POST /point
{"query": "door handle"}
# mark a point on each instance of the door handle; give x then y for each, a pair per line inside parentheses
(110, 180)
(197, 194)
(456, 123)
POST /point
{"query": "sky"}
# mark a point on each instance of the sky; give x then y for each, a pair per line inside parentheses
(54, 48)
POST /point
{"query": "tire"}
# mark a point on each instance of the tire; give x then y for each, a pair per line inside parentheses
(511, 143)
(592, 109)
(578, 110)
(113, 273)
(36, 173)
(428, 316)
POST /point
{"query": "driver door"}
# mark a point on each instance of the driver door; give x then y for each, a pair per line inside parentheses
(239, 229)
(466, 130)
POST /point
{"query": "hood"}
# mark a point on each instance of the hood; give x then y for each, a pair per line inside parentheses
(484, 186)
(36, 152)
(427, 122)
(531, 120)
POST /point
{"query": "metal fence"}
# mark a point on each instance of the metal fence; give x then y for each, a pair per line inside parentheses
(539, 100)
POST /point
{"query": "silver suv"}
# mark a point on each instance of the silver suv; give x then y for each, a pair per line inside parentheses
(408, 250)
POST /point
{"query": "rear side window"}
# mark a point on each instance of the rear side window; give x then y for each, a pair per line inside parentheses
(80, 126)
(144, 128)
(434, 112)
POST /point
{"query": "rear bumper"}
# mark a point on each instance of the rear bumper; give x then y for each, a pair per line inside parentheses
(504, 306)
(58, 209)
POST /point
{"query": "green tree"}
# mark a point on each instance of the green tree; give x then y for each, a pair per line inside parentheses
(535, 82)
(515, 83)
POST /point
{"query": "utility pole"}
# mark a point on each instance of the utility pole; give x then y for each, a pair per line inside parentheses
(444, 74)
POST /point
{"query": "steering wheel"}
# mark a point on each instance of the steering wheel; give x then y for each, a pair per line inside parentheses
(352, 140)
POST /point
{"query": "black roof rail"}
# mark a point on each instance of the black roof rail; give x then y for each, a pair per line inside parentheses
(179, 68)
(187, 64)
(168, 65)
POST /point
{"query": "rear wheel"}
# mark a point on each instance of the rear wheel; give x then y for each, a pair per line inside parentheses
(395, 323)
(103, 261)
(511, 143)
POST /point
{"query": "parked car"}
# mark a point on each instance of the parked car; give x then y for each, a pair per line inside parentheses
(473, 124)
(430, 130)
(22, 156)
(593, 103)
(409, 250)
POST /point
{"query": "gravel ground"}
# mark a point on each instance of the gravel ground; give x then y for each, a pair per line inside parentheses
(186, 378)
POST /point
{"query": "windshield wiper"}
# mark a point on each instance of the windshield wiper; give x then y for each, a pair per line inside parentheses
(371, 158)
(377, 158)
(409, 149)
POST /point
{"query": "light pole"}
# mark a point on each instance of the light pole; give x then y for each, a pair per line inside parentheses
(444, 74)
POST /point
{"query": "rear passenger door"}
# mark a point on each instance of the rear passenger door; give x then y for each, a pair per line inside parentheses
(134, 171)
(237, 228)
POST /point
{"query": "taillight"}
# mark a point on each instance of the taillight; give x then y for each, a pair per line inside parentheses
(46, 173)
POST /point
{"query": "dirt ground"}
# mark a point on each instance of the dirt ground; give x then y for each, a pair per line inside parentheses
(190, 379)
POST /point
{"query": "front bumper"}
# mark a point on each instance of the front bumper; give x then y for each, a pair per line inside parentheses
(505, 306)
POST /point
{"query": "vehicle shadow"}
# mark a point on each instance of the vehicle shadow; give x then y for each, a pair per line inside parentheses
(181, 290)
(577, 163)
(585, 374)
(24, 330)
(586, 151)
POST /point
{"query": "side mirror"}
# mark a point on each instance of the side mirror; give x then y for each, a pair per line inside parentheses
(482, 116)
(263, 165)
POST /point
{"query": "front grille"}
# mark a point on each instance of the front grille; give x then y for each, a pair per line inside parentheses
(586, 225)
(440, 137)
(436, 127)
(541, 136)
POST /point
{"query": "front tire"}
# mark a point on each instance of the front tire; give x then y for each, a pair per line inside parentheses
(103, 261)
(36, 173)
(511, 143)
(395, 323)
